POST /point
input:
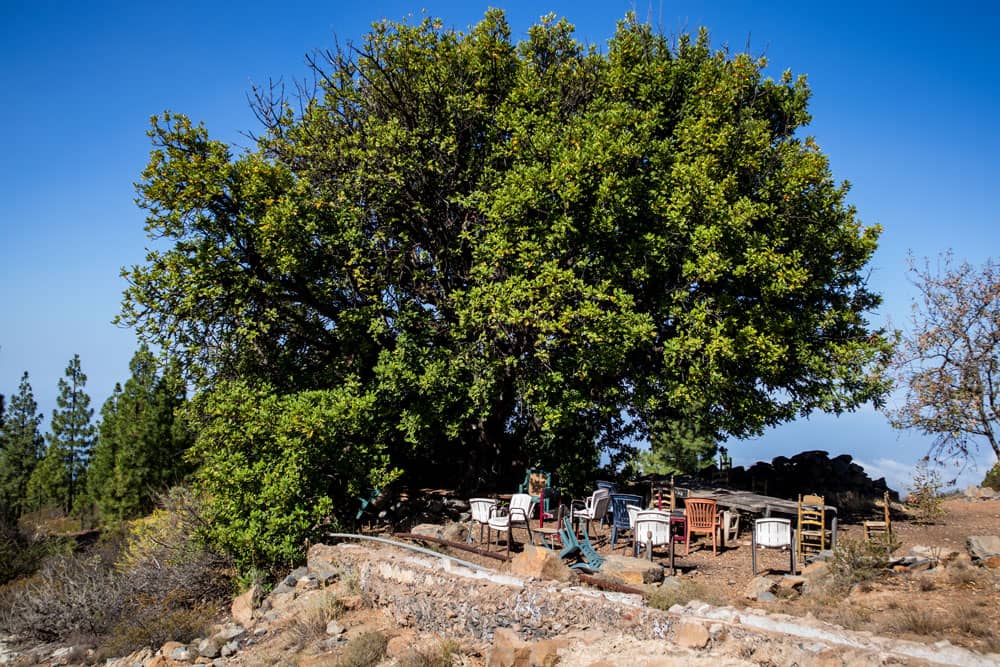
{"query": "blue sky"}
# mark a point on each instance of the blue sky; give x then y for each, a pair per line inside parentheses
(905, 101)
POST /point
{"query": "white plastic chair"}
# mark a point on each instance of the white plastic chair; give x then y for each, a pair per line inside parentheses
(482, 510)
(517, 514)
(593, 508)
(651, 529)
(773, 533)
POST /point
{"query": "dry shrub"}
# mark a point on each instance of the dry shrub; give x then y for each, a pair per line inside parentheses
(666, 596)
(857, 561)
(69, 595)
(164, 585)
(365, 650)
(918, 621)
(962, 575)
(310, 623)
(152, 629)
(972, 622)
(926, 584)
(442, 655)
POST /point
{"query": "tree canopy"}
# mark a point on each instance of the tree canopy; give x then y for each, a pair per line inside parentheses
(520, 254)
(948, 362)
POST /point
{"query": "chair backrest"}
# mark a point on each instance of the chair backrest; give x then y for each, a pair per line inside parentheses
(773, 532)
(482, 508)
(633, 511)
(610, 486)
(700, 513)
(599, 502)
(885, 505)
(812, 510)
(652, 526)
(812, 500)
(535, 481)
(524, 502)
(619, 507)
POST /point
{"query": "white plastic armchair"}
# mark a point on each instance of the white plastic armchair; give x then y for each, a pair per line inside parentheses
(773, 533)
(592, 508)
(518, 513)
(482, 510)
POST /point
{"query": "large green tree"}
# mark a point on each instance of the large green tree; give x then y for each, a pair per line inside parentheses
(141, 441)
(23, 446)
(529, 253)
(60, 476)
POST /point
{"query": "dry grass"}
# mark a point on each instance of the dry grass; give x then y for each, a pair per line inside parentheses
(309, 624)
(443, 655)
(365, 650)
(668, 595)
(918, 621)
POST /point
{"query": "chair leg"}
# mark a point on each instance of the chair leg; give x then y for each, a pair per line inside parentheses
(687, 538)
(753, 551)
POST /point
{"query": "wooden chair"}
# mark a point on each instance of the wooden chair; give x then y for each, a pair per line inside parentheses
(772, 533)
(883, 528)
(812, 531)
(703, 516)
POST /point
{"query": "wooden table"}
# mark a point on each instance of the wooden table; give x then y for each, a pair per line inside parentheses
(755, 503)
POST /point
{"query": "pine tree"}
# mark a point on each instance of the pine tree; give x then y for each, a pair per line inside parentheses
(60, 476)
(141, 441)
(22, 450)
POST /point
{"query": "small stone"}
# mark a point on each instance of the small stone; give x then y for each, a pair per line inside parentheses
(209, 648)
(307, 583)
(334, 628)
(230, 648)
(767, 596)
(183, 654)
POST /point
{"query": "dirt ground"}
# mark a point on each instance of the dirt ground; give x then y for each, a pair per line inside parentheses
(958, 602)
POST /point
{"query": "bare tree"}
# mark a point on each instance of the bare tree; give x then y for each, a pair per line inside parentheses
(949, 362)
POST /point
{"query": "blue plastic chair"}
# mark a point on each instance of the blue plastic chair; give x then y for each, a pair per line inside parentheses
(619, 513)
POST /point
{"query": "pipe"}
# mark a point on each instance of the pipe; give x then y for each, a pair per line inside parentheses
(411, 547)
(449, 543)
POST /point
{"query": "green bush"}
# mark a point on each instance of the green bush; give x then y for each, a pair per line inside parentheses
(992, 479)
(275, 467)
(21, 555)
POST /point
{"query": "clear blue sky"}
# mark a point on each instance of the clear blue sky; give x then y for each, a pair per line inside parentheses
(905, 103)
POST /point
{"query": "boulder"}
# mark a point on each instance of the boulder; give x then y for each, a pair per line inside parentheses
(691, 634)
(508, 650)
(758, 586)
(245, 605)
(982, 547)
(456, 532)
(631, 570)
(540, 563)
(546, 651)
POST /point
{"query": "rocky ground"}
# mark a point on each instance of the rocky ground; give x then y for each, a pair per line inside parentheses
(368, 603)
